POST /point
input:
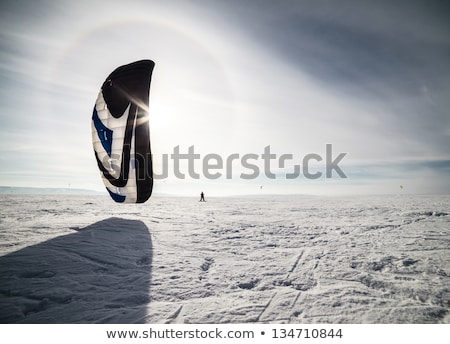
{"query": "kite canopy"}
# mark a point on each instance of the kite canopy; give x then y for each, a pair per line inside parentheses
(120, 133)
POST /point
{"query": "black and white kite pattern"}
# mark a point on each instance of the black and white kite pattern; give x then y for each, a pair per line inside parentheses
(121, 135)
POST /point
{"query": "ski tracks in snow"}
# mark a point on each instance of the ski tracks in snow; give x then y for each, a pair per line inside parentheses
(280, 260)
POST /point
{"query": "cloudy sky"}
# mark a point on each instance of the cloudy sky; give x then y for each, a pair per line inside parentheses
(371, 78)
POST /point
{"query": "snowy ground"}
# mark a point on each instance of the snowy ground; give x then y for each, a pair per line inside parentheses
(84, 259)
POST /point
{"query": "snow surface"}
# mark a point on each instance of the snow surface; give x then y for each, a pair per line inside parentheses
(85, 259)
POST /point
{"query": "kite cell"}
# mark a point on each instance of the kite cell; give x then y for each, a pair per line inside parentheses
(121, 135)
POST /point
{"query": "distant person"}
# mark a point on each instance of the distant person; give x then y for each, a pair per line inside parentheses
(202, 197)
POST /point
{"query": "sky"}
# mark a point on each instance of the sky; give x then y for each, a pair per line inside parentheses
(369, 78)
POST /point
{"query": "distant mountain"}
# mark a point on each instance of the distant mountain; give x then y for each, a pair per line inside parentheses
(15, 190)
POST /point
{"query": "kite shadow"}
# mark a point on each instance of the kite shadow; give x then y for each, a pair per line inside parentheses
(100, 274)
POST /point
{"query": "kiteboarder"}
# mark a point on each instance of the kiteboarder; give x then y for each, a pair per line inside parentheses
(202, 197)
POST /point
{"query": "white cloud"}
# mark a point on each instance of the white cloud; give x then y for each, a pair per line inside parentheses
(214, 86)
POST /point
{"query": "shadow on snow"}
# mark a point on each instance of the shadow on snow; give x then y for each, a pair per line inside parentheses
(100, 274)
